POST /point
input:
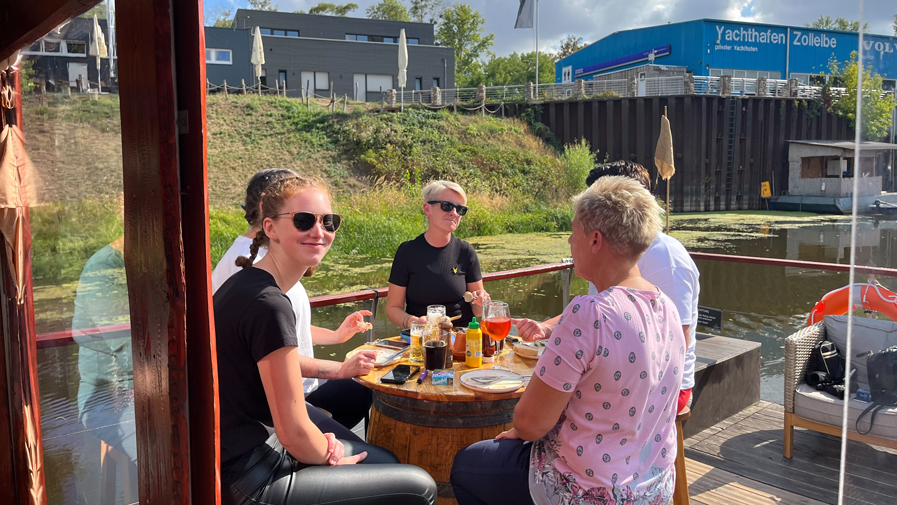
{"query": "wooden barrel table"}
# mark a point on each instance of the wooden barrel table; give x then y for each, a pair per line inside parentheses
(426, 425)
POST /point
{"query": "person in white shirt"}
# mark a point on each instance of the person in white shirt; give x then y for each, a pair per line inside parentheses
(666, 264)
(328, 384)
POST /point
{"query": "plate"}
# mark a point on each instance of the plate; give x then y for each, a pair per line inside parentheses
(500, 387)
(384, 356)
(528, 346)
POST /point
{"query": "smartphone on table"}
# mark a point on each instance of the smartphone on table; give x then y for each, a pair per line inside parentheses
(400, 374)
(392, 344)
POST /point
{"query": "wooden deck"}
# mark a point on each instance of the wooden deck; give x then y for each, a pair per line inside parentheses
(739, 461)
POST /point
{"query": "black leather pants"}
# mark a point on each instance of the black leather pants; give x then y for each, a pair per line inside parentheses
(269, 475)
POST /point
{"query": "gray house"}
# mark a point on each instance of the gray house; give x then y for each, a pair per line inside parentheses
(227, 56)
(359, 56)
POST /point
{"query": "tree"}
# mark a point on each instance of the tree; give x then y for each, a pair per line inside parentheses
(461, 27)
(262, 5)
(217, 15)
(329, 9)
(876, 107)
(388, 9)
(99, 10)
(846, 25)
(425, 11)
(569, 45)
(515, 69)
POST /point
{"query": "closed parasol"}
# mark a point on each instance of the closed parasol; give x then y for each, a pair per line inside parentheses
(403, 64)
(98, 46)
(258, 56)
(663, 158)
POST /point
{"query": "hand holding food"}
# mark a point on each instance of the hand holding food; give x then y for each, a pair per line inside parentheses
(477, 297)
(354, 323)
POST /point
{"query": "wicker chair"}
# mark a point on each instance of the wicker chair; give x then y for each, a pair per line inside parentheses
(798, 348)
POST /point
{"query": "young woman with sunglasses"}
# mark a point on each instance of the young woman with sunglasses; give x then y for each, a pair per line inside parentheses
(271, 452)
(328, 385)
(436, 268)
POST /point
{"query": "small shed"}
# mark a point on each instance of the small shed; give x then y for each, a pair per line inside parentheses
(821, 174)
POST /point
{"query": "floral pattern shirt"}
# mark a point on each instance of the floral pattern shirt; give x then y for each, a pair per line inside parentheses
(621, 353)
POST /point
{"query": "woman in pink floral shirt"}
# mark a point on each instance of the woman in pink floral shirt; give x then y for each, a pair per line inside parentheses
(597, 421)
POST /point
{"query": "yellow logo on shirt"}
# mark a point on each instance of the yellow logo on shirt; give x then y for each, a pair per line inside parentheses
(455, 270)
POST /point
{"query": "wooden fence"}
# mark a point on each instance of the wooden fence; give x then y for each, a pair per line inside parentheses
(724, 146)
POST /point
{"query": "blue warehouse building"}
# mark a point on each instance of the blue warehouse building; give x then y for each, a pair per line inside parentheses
(709, 47)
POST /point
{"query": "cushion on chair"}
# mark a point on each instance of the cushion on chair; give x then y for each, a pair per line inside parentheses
(868, 335)
(826, 409)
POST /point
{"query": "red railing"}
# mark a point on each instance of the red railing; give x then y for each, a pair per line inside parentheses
(60, 338)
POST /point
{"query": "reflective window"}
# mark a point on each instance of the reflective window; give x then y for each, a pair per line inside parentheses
(414, 41)
(219, 56)
(279, 33)
(81, 302)
(292, 33)
(76, 47)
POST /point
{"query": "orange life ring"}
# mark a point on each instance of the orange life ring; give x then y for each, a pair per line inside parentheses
(868, 296)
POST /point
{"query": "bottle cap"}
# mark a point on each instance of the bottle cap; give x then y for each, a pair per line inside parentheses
(474, 325)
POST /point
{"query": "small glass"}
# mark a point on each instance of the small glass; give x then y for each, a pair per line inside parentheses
(417, 349)
(435, 313)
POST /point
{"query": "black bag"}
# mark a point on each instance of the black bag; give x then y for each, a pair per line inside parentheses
(826, 369)
(829, 360)
(882, 370)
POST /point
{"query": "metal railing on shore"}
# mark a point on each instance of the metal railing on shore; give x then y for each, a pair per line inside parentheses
(652, 86)
(371, 296)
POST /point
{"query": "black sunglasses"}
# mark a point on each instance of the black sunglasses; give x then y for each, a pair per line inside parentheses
(448, 206)
(304, 221)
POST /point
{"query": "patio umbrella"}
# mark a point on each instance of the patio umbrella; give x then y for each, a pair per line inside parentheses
(98, 47)
(18, 190)
(663, 158)
(258, 56)
(403, 64)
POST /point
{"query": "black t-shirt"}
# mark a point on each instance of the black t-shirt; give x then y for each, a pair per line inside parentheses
(436, 276)
(253, 318)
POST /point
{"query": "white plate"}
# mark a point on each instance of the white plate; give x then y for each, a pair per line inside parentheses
(527, 356)
(500, 387)
(382, 354)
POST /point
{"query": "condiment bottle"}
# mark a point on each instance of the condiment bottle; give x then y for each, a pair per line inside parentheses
(474, 345)
(446, 334)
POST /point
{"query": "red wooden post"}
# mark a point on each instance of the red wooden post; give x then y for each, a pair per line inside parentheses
(154, 258)
(205, 455)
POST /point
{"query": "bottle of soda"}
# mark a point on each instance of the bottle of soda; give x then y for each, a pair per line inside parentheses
(474, 356)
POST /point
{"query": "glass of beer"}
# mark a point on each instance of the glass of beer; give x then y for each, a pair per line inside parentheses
(417, 348)
(496, 320)
(435, 313)
(434, 354)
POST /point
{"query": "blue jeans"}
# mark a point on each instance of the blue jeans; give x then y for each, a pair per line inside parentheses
(492, 472)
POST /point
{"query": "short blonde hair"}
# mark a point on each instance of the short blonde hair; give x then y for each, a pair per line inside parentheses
(433, 189)
(625, 213)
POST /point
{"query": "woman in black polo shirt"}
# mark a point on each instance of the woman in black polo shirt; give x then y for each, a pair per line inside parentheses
(436, 268)
(271, 452)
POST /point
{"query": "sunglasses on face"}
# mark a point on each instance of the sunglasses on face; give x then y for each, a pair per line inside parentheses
(304, 221)
(448, 206)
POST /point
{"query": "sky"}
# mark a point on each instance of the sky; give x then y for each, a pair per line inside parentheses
(595, 19)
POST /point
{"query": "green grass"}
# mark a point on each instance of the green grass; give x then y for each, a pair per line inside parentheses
(65, 236)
